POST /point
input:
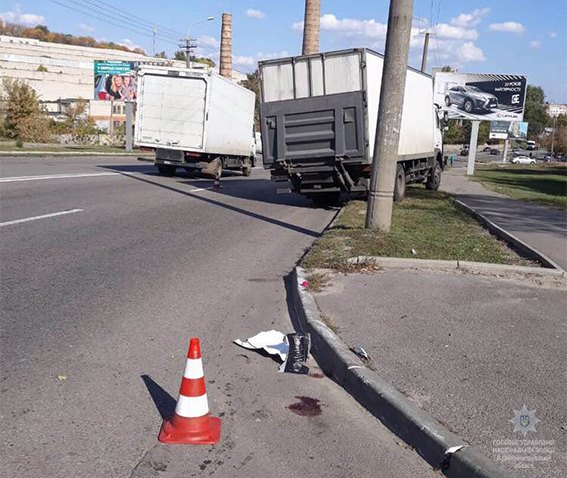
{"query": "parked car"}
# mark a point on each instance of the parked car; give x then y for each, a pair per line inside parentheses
(464, 151)
(486, 149)
(548, 158)
(470, 98)
(523, 160)
(494, 152)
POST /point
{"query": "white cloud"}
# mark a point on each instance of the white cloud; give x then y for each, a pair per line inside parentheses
(208, 42)
(552, 35)
(512, 27)
(16, 16)
(455, 32)
(252, 13)
(468, 20)
(86, 27)
(535, 43)
(243, 60)
(130, 44)
(350, 27)
(468, 52)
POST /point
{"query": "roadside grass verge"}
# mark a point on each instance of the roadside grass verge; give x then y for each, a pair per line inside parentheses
(10, 147)
(545, 184)
(426, 222)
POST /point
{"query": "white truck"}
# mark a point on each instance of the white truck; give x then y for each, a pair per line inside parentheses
(318, 116)
(196, 120)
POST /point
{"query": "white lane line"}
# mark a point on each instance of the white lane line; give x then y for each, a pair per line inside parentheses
(55, 176)
(35, 218)
(199, 189)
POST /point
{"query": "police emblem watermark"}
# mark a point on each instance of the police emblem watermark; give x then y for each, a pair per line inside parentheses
(523, 453)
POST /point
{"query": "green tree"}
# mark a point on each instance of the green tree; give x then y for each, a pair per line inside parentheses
(252, 82)
(534, 112)
(206, 61)
(22, 115)
(180, 55)
(161, 54)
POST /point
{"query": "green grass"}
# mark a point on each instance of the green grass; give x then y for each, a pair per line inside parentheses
(426, 221)
(60, 148)
(546, 184)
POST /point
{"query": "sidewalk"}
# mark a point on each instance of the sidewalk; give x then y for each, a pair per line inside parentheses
(541, 227)
(469, 350)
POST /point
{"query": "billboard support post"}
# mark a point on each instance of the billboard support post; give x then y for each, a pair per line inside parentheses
(129, 116)
(472, 147)
(505, 154)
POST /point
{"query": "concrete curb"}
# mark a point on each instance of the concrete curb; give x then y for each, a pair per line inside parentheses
(440, 447)
(480, 268)
(518, 245)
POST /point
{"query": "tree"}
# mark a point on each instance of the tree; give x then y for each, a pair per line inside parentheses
(534, 112)
(206, 61)
(22, 116)
(252, 82)
(161, 54)
(180, 55)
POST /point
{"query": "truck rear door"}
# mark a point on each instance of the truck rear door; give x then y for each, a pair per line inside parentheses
(172, 111)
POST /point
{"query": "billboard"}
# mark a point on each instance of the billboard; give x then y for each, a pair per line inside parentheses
(519, 130)
(115, 80)
(480, 97)
(499, 130)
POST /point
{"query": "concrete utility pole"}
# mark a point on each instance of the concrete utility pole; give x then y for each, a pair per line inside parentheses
(472, 147)
(187, 45)
(385, 159)
(425, 50)
(129, 105)
(311, 27)
(225, 67)
(506, 147)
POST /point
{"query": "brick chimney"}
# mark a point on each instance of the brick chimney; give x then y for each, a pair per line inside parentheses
(225, 67)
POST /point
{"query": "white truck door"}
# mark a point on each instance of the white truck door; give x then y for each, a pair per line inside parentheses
(174, 111)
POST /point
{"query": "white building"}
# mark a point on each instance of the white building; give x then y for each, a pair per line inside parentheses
(554, 109)
(61, 74)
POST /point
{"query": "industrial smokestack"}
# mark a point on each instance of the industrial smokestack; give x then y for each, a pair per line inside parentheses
(225, 67)
(311, 26)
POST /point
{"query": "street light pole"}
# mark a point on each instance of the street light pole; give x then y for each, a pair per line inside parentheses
(188, 44)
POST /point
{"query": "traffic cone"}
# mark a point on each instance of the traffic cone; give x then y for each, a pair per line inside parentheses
(192, 423)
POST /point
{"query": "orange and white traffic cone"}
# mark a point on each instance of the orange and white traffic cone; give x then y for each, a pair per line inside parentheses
(192, 422)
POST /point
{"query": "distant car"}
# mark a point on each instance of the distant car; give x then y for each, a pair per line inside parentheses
(486, 149)
(523, 160)
(464, 152)
(470, 99)
(494, 152)
(517, 151)
(548, 158)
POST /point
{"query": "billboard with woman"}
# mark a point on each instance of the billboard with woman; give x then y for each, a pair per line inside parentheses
(115, 80)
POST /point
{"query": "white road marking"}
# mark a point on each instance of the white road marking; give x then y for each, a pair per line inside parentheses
(56, 176)
(199, 189)
(35, 218)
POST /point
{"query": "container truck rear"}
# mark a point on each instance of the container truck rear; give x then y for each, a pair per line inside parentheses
(318, 116)
(196, 120)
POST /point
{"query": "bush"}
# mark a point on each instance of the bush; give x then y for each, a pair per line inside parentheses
(34, 129)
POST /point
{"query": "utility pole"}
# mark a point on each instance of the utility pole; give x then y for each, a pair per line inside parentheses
(311, 27)
(187, 45)
(385, 158)
(425, 50)
(552, 136)
(154, 31)
(506, 147)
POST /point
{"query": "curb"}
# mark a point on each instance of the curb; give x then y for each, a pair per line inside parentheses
(480, 268)
(518, 245)
(441, 448)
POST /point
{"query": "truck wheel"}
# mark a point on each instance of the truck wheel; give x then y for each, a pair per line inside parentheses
(246, 171)
(434, 179)
(166, 169)
(400, 186)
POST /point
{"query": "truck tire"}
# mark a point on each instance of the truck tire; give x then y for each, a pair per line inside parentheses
(166, 169)
(247, 168)
(400, 185)
(434, 179)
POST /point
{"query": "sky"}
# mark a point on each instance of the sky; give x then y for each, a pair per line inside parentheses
(526, 37)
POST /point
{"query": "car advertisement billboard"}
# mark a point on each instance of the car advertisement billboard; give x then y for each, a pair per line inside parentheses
(509, 130)
(481, 97)
(115, 80)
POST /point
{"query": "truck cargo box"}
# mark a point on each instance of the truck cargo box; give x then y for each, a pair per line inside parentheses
(193, 111)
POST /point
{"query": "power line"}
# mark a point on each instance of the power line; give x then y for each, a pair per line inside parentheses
(126, 17)
(106, 20)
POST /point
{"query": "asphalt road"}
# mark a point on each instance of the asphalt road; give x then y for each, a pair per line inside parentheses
(102, 285)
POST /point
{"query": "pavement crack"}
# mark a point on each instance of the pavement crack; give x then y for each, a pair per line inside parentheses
(141, 460)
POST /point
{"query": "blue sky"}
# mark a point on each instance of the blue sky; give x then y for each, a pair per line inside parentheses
(481, 36)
